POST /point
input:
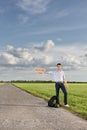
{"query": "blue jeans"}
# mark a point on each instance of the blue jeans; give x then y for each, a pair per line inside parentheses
(59, 85)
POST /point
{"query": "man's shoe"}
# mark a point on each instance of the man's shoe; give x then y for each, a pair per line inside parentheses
(66, 105)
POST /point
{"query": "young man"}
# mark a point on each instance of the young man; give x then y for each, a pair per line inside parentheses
(59, 78)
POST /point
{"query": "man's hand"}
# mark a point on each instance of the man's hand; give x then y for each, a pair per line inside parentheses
(66, 84)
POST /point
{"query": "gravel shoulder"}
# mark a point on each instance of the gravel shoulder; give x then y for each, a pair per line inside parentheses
(22, 111)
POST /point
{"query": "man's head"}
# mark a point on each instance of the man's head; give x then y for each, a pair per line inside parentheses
(59, 66)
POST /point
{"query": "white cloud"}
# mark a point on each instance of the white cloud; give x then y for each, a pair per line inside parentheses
(49, 45)
(15, 56)
(48, 60)
(71, 62)
(21, 53)
(67, 55)
(45, 47)
(22, 57)
(46, 54)
(10, 58)
(23, 60)
(9, 47)
(33, 6)
(19, 62)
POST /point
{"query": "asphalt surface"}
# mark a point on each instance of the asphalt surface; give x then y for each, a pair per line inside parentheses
(22, 111)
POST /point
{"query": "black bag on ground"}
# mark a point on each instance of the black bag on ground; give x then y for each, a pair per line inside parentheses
(51, 101)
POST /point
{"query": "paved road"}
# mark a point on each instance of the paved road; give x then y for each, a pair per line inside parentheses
(22, 111)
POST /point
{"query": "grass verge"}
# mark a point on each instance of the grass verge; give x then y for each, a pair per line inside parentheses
(1, 84)
(77, 95)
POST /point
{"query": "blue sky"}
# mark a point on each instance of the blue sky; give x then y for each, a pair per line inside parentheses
(42, 33)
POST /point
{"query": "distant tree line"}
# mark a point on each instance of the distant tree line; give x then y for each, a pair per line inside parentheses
(36, 81)
(1, 81)
(32, 81)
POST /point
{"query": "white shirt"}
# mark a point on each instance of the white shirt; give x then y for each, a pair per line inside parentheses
(58, 76)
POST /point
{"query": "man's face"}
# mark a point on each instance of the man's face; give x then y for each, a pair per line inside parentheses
(59, 67)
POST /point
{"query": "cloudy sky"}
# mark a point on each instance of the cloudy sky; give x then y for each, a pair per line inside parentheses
(41, 33)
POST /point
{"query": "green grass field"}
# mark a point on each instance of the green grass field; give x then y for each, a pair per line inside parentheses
(77, 94)
(1, 84)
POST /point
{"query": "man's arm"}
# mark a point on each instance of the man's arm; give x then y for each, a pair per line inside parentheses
(65, 81)
(66, 84)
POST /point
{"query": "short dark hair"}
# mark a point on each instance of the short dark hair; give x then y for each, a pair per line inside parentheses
(59, 64)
